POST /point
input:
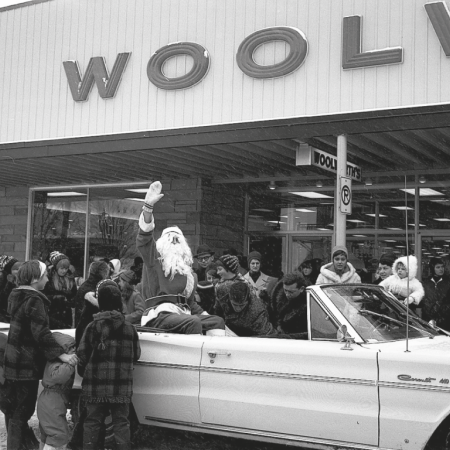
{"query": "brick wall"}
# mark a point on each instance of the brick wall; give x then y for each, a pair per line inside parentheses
(13, 221)
(181, 206)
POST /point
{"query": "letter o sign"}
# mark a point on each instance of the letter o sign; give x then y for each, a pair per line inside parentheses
(298, 50)
(200, 68)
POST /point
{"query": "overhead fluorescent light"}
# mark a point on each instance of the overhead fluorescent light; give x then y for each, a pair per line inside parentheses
(442, 219)
(401, 246)
(356, 221)
(138, 191)
(390, 240)
(359, 235)
(263, 210)
(311, 194)
(324, 229)
(413, 225)
(402, 208)
(393, 228)
(304, 210)
(435, 248)
(284, 216)
(374, 215)
(423, 192)
(64, 194)
(275, 221)
(441, 200)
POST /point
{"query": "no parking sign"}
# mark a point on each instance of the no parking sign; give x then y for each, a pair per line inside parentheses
(345, 197)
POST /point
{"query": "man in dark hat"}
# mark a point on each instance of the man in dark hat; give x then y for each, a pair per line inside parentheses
(204, 257)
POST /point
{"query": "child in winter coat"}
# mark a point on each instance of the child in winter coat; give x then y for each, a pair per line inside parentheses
(30, 344)
(54, 399)
(60, 290)
(107, 351)
(132, 299)
(398, 283)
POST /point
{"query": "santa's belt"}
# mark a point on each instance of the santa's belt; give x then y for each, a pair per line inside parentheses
(176, 299)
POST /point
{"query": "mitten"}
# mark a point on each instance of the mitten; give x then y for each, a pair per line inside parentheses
(153, 195)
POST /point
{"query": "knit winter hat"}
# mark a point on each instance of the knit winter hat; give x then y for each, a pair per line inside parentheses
(339, 248)
(127, 275)
(254, 255)
(55, 257)
(6, 263)
(109, 296)
(239, 296)
(230, 263)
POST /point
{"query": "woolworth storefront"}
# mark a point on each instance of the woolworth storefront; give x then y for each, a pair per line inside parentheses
(282, 126)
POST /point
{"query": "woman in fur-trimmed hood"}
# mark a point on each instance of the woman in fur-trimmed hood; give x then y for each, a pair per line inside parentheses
(403, 282)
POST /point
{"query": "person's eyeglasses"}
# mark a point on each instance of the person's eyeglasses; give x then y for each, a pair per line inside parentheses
(203, 258)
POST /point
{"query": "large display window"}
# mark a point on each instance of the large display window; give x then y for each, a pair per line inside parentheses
(86, 223)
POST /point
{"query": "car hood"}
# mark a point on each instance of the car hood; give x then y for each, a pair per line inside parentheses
(438, 346)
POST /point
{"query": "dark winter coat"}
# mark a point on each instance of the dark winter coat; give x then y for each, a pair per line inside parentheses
(61, 304)
(107, 351)
(30, 341)
(253, 320)
(436, 303)
(289, 316)
(87, 309)
(4, 295)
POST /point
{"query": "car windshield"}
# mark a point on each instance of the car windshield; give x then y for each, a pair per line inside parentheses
(375, 315)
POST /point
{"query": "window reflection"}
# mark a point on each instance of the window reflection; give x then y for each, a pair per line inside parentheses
(59, 223)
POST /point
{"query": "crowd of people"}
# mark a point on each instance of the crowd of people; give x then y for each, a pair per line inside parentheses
(217, 298)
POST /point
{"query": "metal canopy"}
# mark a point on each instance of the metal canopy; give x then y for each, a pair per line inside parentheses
(233, 153)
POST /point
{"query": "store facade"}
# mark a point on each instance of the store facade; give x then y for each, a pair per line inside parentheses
(221, 101)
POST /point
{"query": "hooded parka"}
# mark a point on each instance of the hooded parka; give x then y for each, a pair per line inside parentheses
(408, 287)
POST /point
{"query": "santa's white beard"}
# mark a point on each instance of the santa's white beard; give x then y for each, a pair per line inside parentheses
(175, 254)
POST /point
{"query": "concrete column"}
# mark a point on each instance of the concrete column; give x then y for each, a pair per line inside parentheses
(340, 220)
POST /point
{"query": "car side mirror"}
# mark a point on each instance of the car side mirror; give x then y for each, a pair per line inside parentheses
(342, 335)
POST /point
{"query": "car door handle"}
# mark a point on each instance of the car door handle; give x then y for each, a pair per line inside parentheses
(214, 353)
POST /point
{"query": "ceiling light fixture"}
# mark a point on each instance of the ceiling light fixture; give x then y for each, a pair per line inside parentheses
(272, 185)
(422, 179)
(369, 182)
(319, 183)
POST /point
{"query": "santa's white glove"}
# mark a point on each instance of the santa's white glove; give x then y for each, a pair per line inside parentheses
(408, 301)
(154, 195)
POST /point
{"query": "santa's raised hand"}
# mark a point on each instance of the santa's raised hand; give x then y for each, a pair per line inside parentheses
(154, 193)
(152, 197)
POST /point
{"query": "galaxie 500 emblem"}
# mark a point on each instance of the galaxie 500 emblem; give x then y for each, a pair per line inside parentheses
(422, 380)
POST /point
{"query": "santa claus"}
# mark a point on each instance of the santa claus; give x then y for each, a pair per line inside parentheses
(168, 281)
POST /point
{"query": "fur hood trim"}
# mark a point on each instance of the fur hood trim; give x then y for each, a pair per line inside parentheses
(410, 261)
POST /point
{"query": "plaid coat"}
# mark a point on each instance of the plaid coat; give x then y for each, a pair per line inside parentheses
(106, 353)
(30, 341)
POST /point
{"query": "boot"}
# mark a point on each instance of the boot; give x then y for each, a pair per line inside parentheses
(216, 332)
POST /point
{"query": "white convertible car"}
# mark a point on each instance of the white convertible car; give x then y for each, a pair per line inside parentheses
(354, 381)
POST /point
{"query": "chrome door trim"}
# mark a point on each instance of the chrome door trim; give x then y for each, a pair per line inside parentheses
(260, 373)
(302, 441)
